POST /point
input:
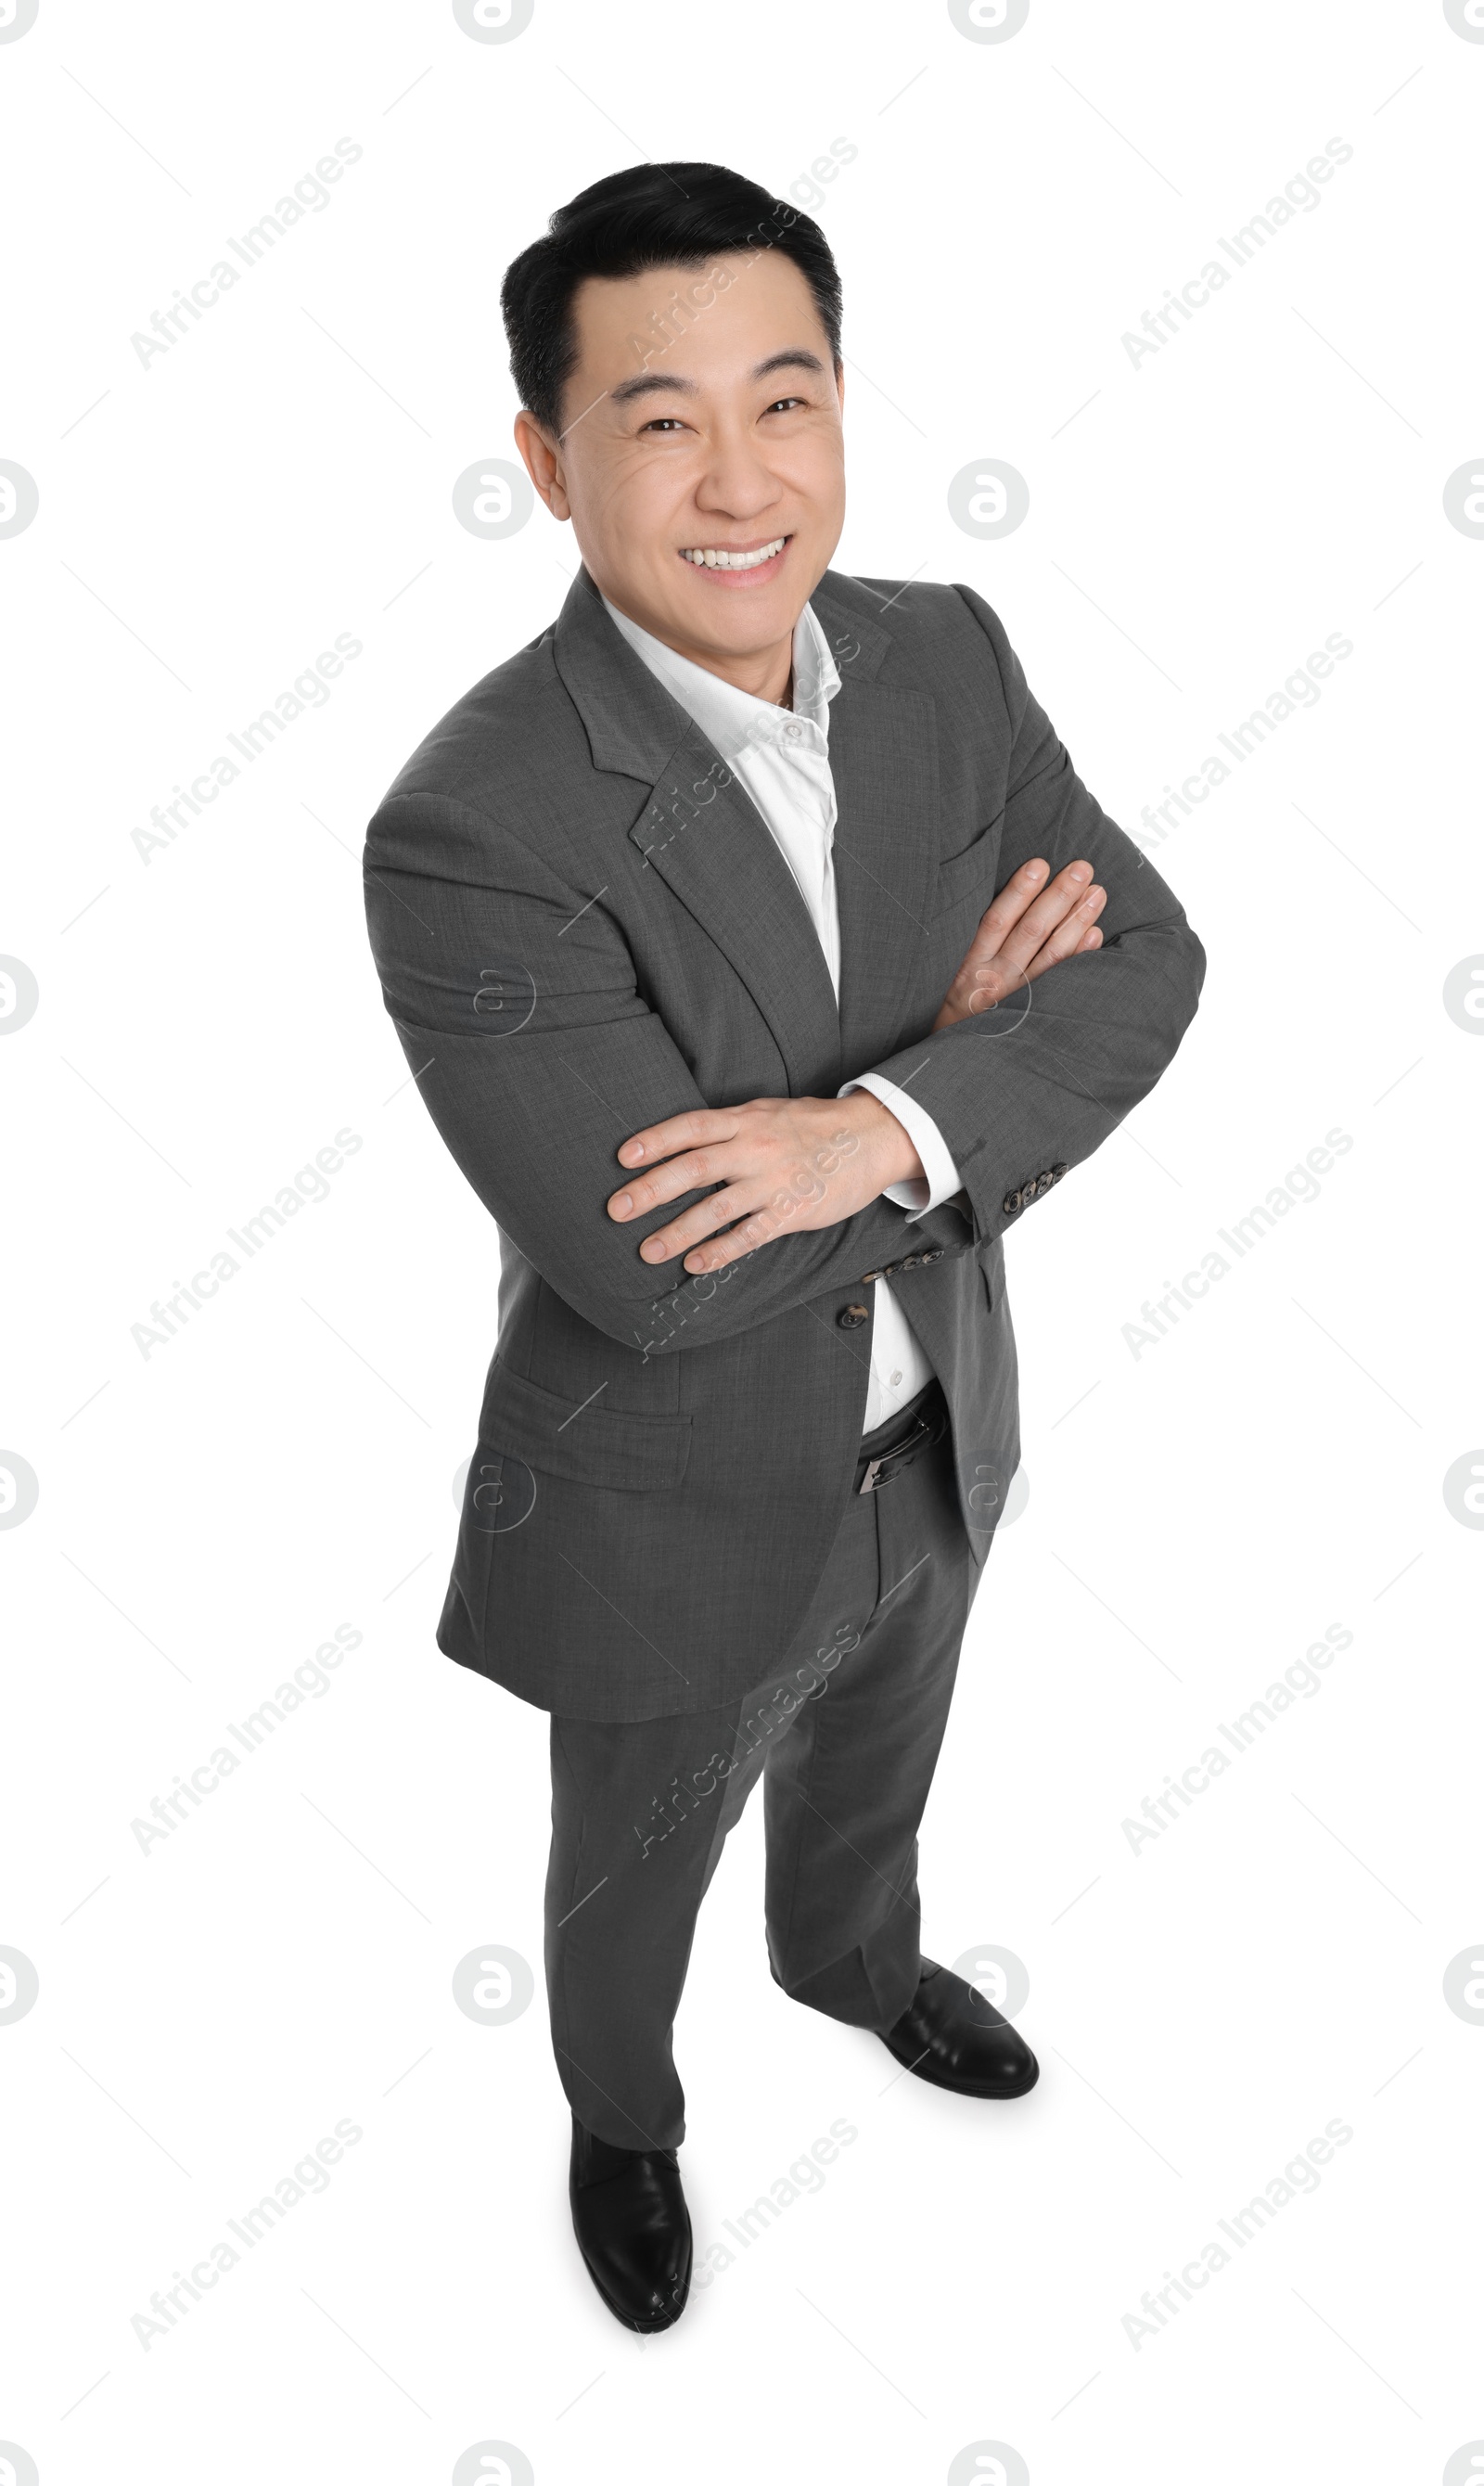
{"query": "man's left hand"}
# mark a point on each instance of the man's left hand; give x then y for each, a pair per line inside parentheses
(784, 1164)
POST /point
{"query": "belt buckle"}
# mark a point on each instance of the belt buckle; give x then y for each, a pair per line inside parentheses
(923, 1436)
(906, 1448)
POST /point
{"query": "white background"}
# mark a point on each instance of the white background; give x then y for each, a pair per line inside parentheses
(1198, 1512)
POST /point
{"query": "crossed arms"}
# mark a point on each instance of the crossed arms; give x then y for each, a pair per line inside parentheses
(784, 1164)
(543, 1119)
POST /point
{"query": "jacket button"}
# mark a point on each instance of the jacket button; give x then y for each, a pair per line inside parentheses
(1057, 1173)
(870, 1277)
(852, 1316)
(1013, 1201)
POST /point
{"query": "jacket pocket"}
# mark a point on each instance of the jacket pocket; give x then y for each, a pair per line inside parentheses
(969, 874)
(587, 1445)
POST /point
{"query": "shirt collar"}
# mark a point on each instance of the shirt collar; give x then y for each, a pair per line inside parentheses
(732, 719)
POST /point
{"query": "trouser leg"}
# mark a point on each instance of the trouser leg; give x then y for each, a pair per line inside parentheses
(640, 1814)
(845, 1791)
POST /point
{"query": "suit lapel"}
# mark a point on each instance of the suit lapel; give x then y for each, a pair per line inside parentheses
(702, 833)
(884, 759)
(704, 836)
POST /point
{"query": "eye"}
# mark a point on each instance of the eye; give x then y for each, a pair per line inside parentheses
(782, 404)
(663, 422)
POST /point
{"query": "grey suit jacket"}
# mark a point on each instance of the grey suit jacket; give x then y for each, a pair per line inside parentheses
(582, 925)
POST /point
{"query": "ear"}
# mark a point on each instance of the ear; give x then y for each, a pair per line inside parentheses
(542, 463)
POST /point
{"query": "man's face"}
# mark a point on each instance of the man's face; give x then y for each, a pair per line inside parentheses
(730, 441)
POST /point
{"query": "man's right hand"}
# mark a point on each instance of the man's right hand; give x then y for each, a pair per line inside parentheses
(1028, 928)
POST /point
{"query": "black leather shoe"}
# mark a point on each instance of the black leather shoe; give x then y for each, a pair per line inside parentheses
(949, 2034)
(633, 2229)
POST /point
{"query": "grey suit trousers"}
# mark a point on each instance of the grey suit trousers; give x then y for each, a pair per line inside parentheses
(844, 1733)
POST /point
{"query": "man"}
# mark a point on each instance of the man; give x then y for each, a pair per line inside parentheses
(761, 959)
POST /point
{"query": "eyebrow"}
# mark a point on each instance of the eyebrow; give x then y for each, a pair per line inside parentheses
(653, 383)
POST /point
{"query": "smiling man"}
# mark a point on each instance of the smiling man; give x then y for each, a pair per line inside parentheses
(761, 959)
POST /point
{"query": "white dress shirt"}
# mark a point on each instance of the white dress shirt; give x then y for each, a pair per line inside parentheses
(782, 760)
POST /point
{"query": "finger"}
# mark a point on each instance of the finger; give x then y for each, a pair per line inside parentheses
(1010, 939)
(1055, 903)
(983, 987)
(1006, 908)
(1070, 934)
(704, 1218)
(1034, 927)
(1055, 924)
(766, 1208)
(694, 1171)
(763, 1226)
(734, 1246)
(695, 1129)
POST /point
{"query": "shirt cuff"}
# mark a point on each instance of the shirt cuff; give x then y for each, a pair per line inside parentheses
(943, 1175)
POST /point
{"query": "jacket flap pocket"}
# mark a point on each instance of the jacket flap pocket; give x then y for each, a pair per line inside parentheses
(971, 873)
(589, 1444)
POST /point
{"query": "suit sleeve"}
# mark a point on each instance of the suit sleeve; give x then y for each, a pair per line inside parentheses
(1024, 1093)
(517, 1002)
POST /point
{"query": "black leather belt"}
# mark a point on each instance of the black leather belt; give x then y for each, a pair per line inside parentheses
(917, 1426)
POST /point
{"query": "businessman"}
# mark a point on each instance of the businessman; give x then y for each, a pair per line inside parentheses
(763, 960)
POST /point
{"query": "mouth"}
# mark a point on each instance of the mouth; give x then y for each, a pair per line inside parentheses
(737, 562)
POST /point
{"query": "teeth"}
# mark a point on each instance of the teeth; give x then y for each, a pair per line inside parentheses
(735, 560)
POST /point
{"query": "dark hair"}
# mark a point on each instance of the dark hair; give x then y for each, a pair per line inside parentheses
(654, 216)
